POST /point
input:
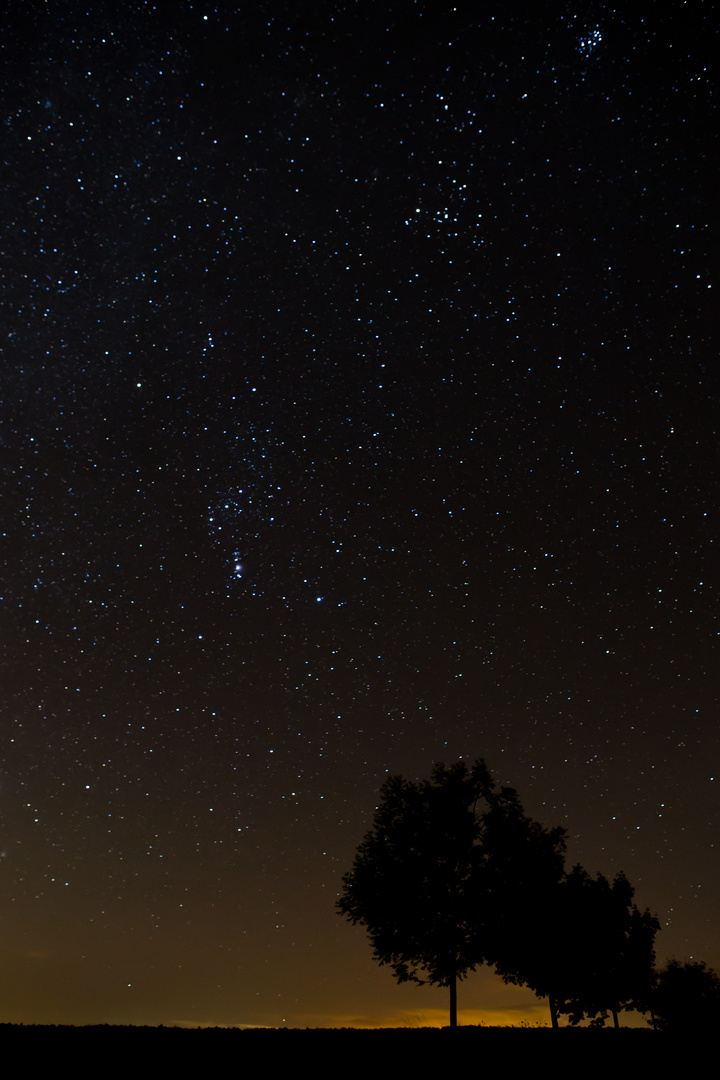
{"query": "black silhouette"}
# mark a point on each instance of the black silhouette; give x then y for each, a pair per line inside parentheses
(523, 876)
(453, 874)
(596, 952)
(686, 997)
(446, 874)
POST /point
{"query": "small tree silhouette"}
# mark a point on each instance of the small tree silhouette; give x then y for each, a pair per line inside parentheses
(686, 997)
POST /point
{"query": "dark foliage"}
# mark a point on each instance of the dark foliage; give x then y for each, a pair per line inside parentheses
(447, 868)
(413, 884)
(686, 997)
(454, 874)
(606, 949)
(586, 947)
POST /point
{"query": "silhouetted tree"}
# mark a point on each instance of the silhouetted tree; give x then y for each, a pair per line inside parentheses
(686, 997)
(432, 880)
(636, 974)
(611, 951)
(597, 955)
(520, 909)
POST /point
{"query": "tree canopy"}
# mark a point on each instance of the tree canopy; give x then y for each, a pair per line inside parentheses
(454, 874)
(686, 998)
(596, 954)
(429, 879)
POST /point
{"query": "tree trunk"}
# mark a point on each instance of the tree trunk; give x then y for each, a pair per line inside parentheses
(453, 1001)
(553, 1011)
(616, 1022)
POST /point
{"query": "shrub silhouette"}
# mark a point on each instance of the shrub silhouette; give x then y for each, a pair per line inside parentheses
(686, 997)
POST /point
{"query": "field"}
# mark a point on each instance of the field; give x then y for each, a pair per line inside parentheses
(111, 1050)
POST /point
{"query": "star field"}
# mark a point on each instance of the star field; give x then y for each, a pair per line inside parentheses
(360, 412)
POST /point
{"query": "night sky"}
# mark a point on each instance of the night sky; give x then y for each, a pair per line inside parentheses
(359, 411)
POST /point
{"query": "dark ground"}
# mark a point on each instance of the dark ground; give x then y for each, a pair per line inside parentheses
(114, 1049)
